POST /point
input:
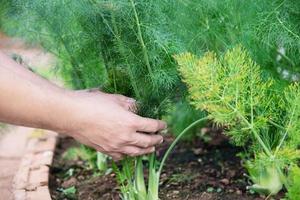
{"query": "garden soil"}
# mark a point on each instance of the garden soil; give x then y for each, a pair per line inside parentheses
(195, 171)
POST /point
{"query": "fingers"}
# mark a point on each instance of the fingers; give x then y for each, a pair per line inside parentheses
(145, 141)
(93, 90)
(126, 102)
(136, 151)
(117, 156)
(150, 125)
(131, 105)
(144, 145)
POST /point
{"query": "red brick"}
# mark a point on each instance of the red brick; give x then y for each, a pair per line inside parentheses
(45, 145)
(19, 195)
(42, 159)
(42, 193)
(21, 177)
(13, 143)
(31, 144)
(38, 177)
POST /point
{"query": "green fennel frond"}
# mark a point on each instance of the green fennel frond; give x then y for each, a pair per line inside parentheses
(255, 110)
(230, 89)
(292, 95)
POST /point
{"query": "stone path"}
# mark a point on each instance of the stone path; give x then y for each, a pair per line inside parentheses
(32, 178)
(12, 146)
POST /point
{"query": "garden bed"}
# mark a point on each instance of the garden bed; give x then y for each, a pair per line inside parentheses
(195, 171)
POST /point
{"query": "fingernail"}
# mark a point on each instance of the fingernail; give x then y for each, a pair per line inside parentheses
(130, 100)
(162, 140)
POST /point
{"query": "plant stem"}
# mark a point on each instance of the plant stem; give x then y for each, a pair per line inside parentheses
(114, 30)
(176, 141)
(255, 133)
(275, 124)
(139, 179)
(122, 52)
(141, 40)
(153, 179)
(251, 124)
(114, 79)
(286, 132)
(101, 162)
(286, 28)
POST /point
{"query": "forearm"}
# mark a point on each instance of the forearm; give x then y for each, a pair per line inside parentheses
(23, 72)
(29, 100)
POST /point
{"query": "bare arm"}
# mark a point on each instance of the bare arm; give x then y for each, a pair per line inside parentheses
(94, 118)
(26, 99)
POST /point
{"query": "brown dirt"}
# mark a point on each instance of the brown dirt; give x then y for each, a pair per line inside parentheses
(197, 171)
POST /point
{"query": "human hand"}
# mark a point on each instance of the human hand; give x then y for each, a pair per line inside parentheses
(127, 103)
(103, 121)
(106, 123)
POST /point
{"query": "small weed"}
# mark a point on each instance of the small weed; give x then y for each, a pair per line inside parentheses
(69, 192)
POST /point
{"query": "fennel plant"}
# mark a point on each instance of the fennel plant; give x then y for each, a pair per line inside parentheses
(257, 111)
(126, 46)
(115, 45)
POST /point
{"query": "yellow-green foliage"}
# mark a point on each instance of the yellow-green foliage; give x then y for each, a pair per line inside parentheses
(292, 95)
(229, 88)
(294, 188)
(255, 109)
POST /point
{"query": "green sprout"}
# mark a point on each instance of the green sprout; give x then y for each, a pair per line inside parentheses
(131, 178)
(69, 192)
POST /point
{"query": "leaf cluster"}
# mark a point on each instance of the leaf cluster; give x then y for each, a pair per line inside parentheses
(294, 177)
(98, 42)
(126, 46)
(230, 89)
(269, 30)
(115, 45)
(256, 111)
(61, 28)
(104, 43)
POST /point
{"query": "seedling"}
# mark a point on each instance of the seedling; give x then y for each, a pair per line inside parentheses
(131, 176)
(69, 192)
(94, 160)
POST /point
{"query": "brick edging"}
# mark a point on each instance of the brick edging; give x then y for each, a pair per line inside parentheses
(32, 178)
